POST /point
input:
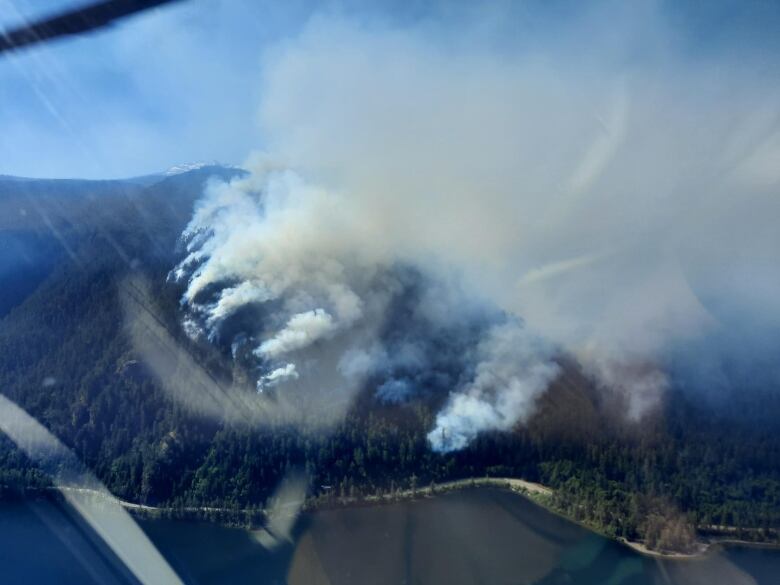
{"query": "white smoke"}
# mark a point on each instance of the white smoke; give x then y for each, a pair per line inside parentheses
(567, 189)
(286, 372)
(514, 369)
(278, 239)
(301, 330)
(273, 241)
(233, 298)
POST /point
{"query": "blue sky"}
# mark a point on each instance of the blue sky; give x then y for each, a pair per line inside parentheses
(184, 83)
(176, 84)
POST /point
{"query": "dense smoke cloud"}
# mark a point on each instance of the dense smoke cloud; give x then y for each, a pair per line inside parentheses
(601, 199)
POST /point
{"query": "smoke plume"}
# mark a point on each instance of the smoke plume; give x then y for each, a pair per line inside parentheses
(546, 200)
(514, 369)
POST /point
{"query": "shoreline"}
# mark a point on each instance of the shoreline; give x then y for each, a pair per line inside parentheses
(703, 549)
(535, 492)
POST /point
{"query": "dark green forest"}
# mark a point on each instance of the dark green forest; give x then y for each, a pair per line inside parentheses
(66, 358)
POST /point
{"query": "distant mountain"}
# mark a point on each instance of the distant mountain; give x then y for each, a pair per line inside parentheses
(195, 166)
(46, 221)
(67, 249)
(14, 178)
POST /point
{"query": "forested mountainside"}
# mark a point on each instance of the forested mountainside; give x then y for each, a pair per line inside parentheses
(66, 251)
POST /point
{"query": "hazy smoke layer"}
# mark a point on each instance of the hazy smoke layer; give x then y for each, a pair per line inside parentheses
(620, 211)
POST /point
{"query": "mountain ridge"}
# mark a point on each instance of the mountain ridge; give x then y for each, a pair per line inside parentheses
(66, 358)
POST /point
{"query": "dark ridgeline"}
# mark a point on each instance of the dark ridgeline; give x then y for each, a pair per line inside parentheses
(66, 359)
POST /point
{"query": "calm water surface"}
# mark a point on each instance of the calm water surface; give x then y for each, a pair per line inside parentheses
(475, 536)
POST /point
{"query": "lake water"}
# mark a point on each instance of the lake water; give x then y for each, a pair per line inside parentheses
(474, 536)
